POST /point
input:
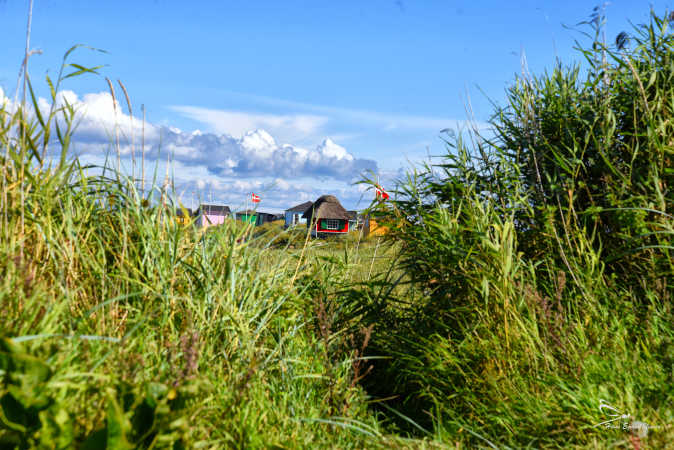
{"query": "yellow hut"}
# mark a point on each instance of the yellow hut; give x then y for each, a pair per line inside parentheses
(184, 216)
(372, 228)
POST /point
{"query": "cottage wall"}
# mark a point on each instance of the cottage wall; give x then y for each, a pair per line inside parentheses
(289, 215)
(375, 229)
(207, 220)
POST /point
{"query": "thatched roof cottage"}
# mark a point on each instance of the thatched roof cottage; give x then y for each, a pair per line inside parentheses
(327, 216)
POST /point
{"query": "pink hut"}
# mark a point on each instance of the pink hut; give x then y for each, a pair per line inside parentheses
(327, 216)
(210, 214)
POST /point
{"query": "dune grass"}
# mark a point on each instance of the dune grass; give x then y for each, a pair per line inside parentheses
(525, 282)
(124, 329)
(539, 266)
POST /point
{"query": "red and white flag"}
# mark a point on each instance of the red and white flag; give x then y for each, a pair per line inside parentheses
(380, 192)
(255, 198)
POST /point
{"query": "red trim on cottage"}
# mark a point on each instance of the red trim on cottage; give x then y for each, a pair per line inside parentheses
(344, 229)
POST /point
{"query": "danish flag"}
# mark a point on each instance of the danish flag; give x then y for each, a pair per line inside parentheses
(255, 198)
(380, 192)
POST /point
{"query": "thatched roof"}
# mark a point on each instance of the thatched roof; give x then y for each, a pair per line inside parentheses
(326, 207)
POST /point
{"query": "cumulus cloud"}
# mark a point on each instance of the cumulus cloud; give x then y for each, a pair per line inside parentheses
(254, 154)
(257, 153)
(217, 166)
(97, 116)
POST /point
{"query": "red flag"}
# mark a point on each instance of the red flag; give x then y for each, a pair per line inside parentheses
(255, 198)
(380, 192)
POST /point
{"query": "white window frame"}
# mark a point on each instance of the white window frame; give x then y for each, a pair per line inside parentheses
(332, 224)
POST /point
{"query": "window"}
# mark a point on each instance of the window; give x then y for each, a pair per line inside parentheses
(331, 224)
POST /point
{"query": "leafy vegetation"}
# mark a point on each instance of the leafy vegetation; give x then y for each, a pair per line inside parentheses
(540, 257)
(123, 328)
(525, 280)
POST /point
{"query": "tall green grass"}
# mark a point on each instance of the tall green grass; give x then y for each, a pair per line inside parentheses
(526, 281)
(123, 329)
(537, 264)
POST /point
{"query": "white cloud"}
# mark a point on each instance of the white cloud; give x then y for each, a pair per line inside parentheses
(219, 166)
(258, 154)
(255, 154)
(237, 123)
(99, 117)
(96, 117)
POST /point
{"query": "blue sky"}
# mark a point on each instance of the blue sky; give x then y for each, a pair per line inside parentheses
(348, 86)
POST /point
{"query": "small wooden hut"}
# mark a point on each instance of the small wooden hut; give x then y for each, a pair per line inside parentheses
(184, 216)
(255, 217)
(210, 214)
(248, 216)
(372, 228)
(327, 216)
(294, 214)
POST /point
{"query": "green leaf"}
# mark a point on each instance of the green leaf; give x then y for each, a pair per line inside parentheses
(52, 90)
(143, 419)
(9, 346)
(593, 210)
(81, 69)
(76, 46)
(33, 99)
(117, 426)
(12, 360)
(57, 429)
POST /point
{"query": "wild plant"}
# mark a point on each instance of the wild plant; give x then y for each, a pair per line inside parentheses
(538, 256)
(122, 328)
